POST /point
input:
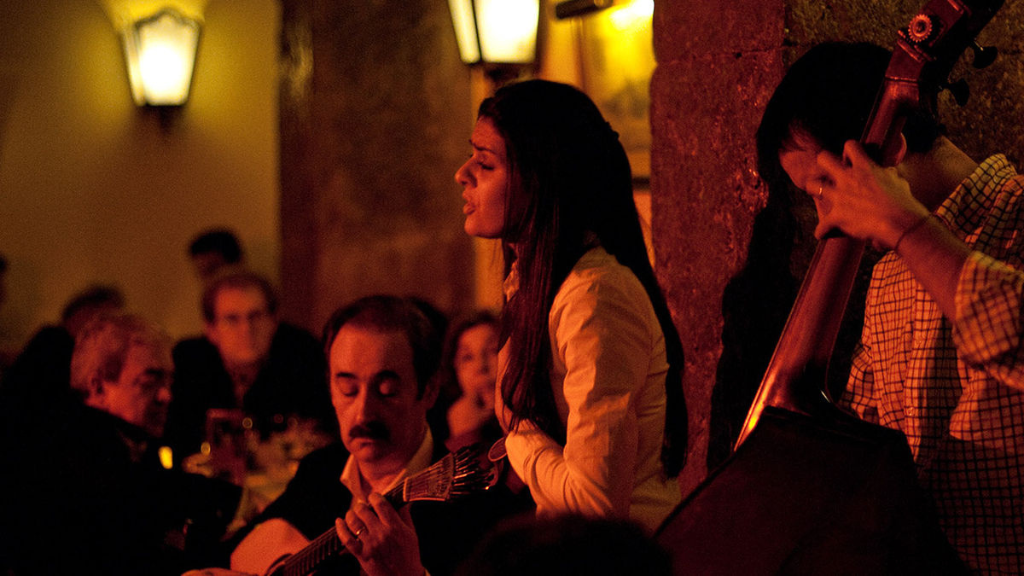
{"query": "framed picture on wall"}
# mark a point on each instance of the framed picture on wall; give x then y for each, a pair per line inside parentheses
(617, 60)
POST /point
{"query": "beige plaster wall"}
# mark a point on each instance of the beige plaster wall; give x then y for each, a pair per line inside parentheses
(93, 189)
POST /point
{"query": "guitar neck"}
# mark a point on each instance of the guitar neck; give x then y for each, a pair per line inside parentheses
(327, 545)
(453, 475)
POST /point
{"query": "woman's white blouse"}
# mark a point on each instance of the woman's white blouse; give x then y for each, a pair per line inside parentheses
(608, 378)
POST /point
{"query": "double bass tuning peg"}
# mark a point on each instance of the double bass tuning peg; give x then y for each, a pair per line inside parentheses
(983, 55)
(959, 89)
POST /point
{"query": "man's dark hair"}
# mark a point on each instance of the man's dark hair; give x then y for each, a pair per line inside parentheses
(94, 297)
(392, 314)
(828, 94)
(236, 278)
(221, 241)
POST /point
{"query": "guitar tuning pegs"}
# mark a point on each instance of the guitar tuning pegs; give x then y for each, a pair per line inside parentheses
(983, 55)
(961, 92)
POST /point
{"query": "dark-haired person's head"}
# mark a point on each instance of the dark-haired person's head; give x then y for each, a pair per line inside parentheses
(385, 313)
(568, 173)
(213, 249)
(240, 316)
(824, 100)
(382, 355)
(87, 304)
(471, 355)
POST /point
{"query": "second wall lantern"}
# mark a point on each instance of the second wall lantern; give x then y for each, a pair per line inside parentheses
(496, 31)
(161, 52)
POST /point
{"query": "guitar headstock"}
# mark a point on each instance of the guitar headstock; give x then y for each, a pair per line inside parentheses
(457, 474)
(474, 471)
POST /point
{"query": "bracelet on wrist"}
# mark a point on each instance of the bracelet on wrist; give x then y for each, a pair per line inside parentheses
(909, 229)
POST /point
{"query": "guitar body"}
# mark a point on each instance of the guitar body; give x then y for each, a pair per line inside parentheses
(266, 546)
(804, 495)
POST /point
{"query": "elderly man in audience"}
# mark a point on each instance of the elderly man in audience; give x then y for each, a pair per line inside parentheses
(84, 489)
(383, 353)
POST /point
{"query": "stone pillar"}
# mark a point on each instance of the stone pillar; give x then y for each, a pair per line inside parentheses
(717, 63)
(375, 116)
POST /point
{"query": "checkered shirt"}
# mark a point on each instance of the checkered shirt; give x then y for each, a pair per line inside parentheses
(956, 389)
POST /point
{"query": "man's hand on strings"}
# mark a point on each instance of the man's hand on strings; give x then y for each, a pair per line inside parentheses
(381, 538)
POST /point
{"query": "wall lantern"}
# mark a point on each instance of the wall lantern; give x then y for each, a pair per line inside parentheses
(496, 32)
(161, 54)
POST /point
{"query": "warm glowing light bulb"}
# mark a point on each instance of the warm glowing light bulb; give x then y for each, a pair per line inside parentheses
(164, 72)
(161, 53)
(508, 29)
(634, 15)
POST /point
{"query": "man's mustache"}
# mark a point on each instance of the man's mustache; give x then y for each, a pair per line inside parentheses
(373, 430)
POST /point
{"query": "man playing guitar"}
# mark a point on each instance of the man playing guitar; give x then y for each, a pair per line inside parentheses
(383, 354)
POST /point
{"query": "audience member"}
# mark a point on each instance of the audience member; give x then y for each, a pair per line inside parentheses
(469, 370)
(213, 249)
(83, 490)
(383, 355)
(248, 360)
(41, 371)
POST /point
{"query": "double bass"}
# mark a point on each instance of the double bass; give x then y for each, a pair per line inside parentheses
(809, 488)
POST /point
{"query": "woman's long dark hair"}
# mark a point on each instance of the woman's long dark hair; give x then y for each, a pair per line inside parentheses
(570, 185)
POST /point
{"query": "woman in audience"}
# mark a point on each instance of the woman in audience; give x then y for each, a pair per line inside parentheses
(471, 368)
(589, 374)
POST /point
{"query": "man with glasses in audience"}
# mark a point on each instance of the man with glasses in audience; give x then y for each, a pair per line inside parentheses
(268, 372)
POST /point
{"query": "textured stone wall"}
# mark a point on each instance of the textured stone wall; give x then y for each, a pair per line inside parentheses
(375, 114)
(730, 269)
(716, 67)
(376, 109)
